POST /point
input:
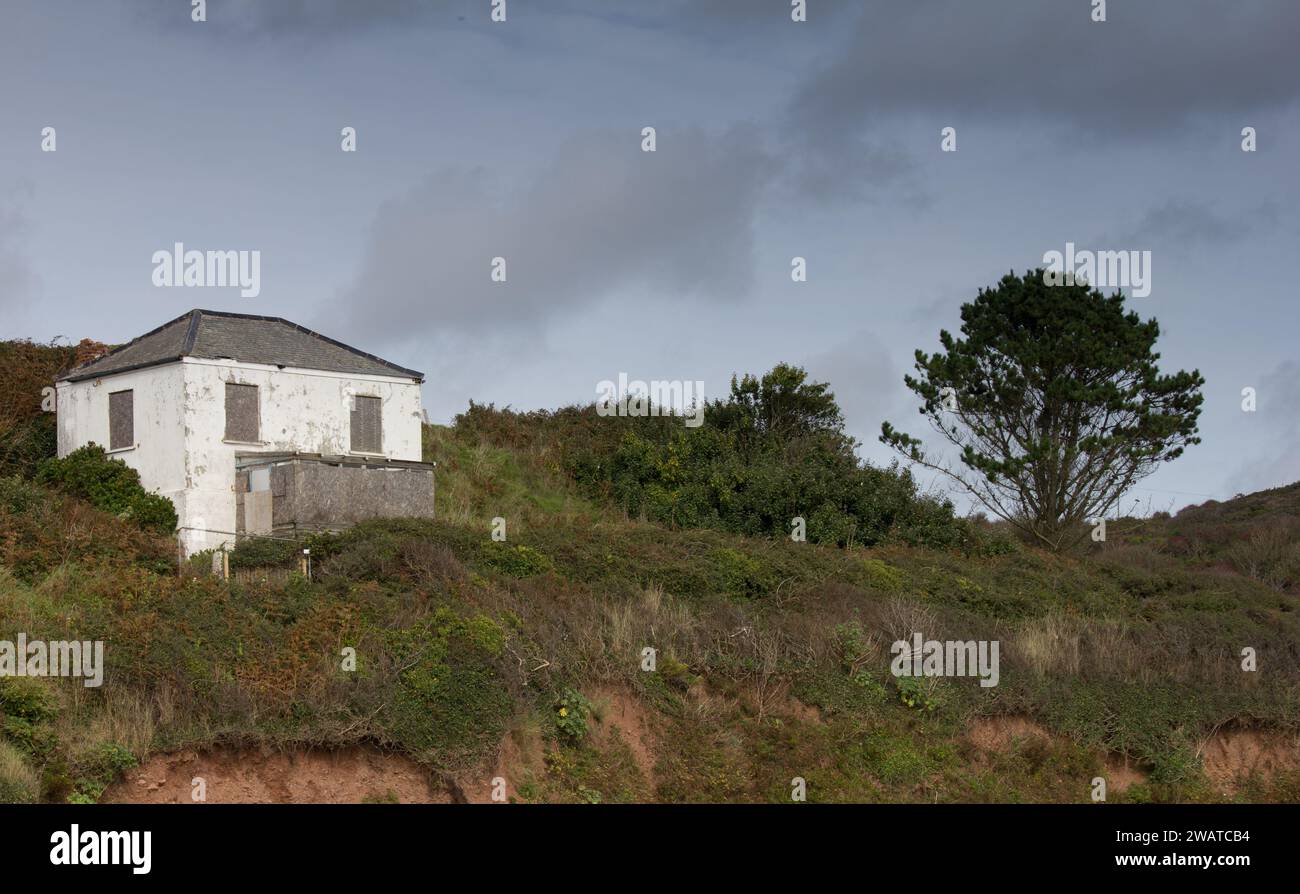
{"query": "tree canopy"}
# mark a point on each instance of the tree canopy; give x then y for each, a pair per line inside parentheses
(1054, 402)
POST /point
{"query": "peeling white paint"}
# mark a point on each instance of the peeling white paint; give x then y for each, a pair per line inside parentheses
(180, 422)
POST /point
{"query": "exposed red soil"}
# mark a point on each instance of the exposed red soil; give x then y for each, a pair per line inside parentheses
(1001, 733)
(1231, 756)
(255, 776)
(622, 716)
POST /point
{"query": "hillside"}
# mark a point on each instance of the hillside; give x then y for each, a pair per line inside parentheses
(523, 659)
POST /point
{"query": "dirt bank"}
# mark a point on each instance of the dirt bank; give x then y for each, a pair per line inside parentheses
(255, 776)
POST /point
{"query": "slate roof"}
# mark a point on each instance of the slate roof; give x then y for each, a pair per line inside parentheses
(217, 335)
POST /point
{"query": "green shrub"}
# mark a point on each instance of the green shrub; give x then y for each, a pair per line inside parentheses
(923, 694)
(740, 574)
(774, 449)
(111, 485)
(99, 768)
(854, 645)
(28, 708)
(517, 561)
(28, 699)
(572, 711)
(832, 526)
(261, 552)
(153, 513)
(880, 575)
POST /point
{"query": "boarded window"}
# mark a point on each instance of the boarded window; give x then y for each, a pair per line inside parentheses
(367, 425)
(241, 413)
(121, 420)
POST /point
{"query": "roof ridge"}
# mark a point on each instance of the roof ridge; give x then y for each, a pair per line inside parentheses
(239, 316)
(191, 335)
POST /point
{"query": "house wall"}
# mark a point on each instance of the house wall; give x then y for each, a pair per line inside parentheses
(180, 423)
(304, 411)
(159, 451)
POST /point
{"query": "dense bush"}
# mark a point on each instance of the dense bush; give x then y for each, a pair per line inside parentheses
(773, 450)
(516, 561)
(260, 552)
(27, 426)
(110, 485)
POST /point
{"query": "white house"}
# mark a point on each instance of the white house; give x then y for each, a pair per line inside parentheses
(216, 411)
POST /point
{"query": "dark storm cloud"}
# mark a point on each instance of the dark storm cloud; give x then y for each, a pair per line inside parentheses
(602, 215)
(308, 18)
(1151, 65)
(340, 15)
(1149, 69)
(705, 19)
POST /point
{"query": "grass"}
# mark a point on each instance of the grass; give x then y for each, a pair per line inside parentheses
(771, 656)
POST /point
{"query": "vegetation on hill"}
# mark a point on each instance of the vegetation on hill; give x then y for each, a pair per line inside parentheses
(108, 484)
(771, 452)
(521, 656)
(772, 655)
(27, 372)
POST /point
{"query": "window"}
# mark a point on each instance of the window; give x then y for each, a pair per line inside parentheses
(241, 413)
(121, 420)
(367, 425)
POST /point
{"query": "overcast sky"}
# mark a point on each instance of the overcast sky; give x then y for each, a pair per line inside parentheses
(775, 139)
